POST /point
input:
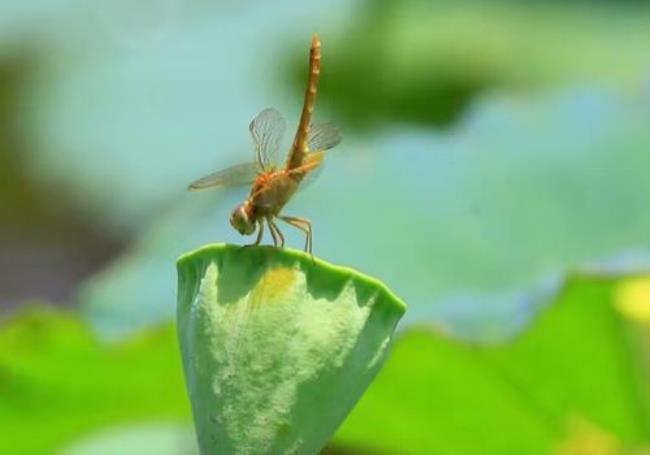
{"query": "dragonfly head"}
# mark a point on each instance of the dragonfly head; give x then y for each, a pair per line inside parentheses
(241, 220)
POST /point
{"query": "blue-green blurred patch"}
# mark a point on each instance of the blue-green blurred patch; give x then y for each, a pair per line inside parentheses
(147, 439)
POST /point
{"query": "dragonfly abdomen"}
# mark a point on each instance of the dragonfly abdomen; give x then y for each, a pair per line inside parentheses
(299, 148)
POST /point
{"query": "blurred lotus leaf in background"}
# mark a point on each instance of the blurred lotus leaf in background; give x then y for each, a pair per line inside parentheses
(58, 382)
(573, 383)
(425, 61)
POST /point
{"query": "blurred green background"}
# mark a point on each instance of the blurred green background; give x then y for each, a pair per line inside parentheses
(494, 173)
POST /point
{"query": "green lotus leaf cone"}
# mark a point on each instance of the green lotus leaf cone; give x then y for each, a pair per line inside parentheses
(277, 346)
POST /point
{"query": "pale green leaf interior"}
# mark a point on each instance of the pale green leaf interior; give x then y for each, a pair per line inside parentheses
(277, 346)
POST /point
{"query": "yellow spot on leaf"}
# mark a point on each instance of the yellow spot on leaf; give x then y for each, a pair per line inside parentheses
(632, 299)
(274, 285)
(585, 438)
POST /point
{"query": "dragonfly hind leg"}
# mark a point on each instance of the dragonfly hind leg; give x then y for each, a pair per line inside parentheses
(304, 225)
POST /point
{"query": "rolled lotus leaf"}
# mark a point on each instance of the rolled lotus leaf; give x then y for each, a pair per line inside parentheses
(277, 346)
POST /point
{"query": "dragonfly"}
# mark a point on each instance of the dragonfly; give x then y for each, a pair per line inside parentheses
(273, 184)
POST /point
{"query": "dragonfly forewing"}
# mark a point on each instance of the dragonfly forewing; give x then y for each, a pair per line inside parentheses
(267, 129)
(240, 174)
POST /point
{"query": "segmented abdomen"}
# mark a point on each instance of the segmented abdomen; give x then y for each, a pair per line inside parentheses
(299, 148)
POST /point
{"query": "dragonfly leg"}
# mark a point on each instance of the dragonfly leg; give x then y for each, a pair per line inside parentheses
(277, 229)
(260, 234)
(275, 232)
(304, 225)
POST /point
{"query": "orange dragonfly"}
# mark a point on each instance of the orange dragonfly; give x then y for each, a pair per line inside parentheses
(274, 185)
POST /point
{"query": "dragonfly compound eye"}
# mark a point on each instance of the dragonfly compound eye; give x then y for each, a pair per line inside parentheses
(241, 221)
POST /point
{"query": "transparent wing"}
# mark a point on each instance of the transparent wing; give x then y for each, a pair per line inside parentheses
(267, 130)
(323, 136)
(311, 167)
(240, 174)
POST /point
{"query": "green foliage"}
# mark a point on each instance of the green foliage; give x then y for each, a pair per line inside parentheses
(424, 61)
(573, 382)
(277, 346)
(57, 381)
(570, 380)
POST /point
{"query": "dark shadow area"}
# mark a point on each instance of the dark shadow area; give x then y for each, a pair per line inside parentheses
(46, 245)
(256, 263)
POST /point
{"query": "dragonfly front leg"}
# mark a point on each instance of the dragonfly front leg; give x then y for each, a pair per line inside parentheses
(275, 232)
(260, 234)
(304, 225)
